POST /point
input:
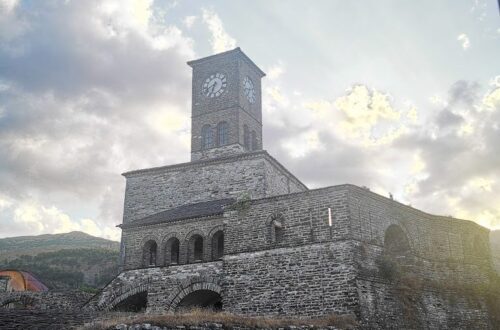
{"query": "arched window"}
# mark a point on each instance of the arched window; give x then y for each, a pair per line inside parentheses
(172, 251)
(207, 138)
(222, 133)
(149, 253)
(246, 137)
(195, 248)
(277, 231)
(218, 245)
(254, 141)
(396, 242)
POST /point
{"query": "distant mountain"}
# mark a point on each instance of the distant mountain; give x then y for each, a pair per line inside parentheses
(62, 261)
(12, 247)
(495, 248)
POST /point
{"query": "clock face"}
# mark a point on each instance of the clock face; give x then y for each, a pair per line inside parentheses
(248, 89)
(214, 85)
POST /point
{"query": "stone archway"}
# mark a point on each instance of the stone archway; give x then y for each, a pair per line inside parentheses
(135, 296)
(201, 299)
(200, 294)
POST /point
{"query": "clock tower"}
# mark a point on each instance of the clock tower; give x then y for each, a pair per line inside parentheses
(226, 105)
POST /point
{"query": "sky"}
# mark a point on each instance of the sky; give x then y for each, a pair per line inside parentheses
(402, 97)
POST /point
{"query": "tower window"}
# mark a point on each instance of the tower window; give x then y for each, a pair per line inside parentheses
(246, 137)
(207, 140)
(222, 134)
(254, 141)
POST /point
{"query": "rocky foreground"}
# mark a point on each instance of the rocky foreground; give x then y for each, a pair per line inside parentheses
(190, 320)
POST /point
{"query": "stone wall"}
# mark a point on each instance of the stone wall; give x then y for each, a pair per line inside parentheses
(431, 237)
(316, 268)
(45, 300)
(309, 280)
(153, 190)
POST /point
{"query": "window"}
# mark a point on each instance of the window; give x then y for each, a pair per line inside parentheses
(277, 229)
(149, 253)
(207, 140)
(222, 134)
(172, 251)
(198, 249)
(254, 141)
(246, 137)
(195, 248)
(218, 245)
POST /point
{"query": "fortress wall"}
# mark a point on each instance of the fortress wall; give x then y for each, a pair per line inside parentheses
(309, 280)
(155, 190)
(431, 237)
(135, 238)
(305, 221)
(151, 192)
(383, 306)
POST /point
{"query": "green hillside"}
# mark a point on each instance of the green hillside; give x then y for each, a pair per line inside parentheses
(62, 261)
(12, 247)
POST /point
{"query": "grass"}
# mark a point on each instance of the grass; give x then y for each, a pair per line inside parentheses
(196, 317)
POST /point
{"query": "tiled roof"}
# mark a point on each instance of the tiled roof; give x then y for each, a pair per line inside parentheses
(196, 210)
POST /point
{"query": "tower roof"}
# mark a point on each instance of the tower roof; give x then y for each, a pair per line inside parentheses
(230, 53)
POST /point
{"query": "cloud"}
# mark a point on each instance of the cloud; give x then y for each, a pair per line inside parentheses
(459, 146)
(220, 39)
(464, 40)
(95, 88)
(189, 21)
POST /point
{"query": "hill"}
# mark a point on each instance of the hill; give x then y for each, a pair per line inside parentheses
(62, 261)
(12, 247)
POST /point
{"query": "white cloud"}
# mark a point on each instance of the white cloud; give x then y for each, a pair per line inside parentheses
(220, 39)
(73, 118)
(464, 40)
(189, 21)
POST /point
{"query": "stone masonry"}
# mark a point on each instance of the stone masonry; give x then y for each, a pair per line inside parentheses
(233, 229)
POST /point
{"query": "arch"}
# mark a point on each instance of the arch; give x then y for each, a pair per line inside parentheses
(150, 253)
(276, 224)
(201, 299)
(396, 241)
(195, 240)
(133, 303)
(207, 137)
(254, 141)
(124, 293)
(172, 251)
(246, 137)
(222, 133)
(217, 244)
(177, 297)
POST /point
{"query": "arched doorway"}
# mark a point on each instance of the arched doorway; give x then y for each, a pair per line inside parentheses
(396, 242)
(134, 303)
(201, 299)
